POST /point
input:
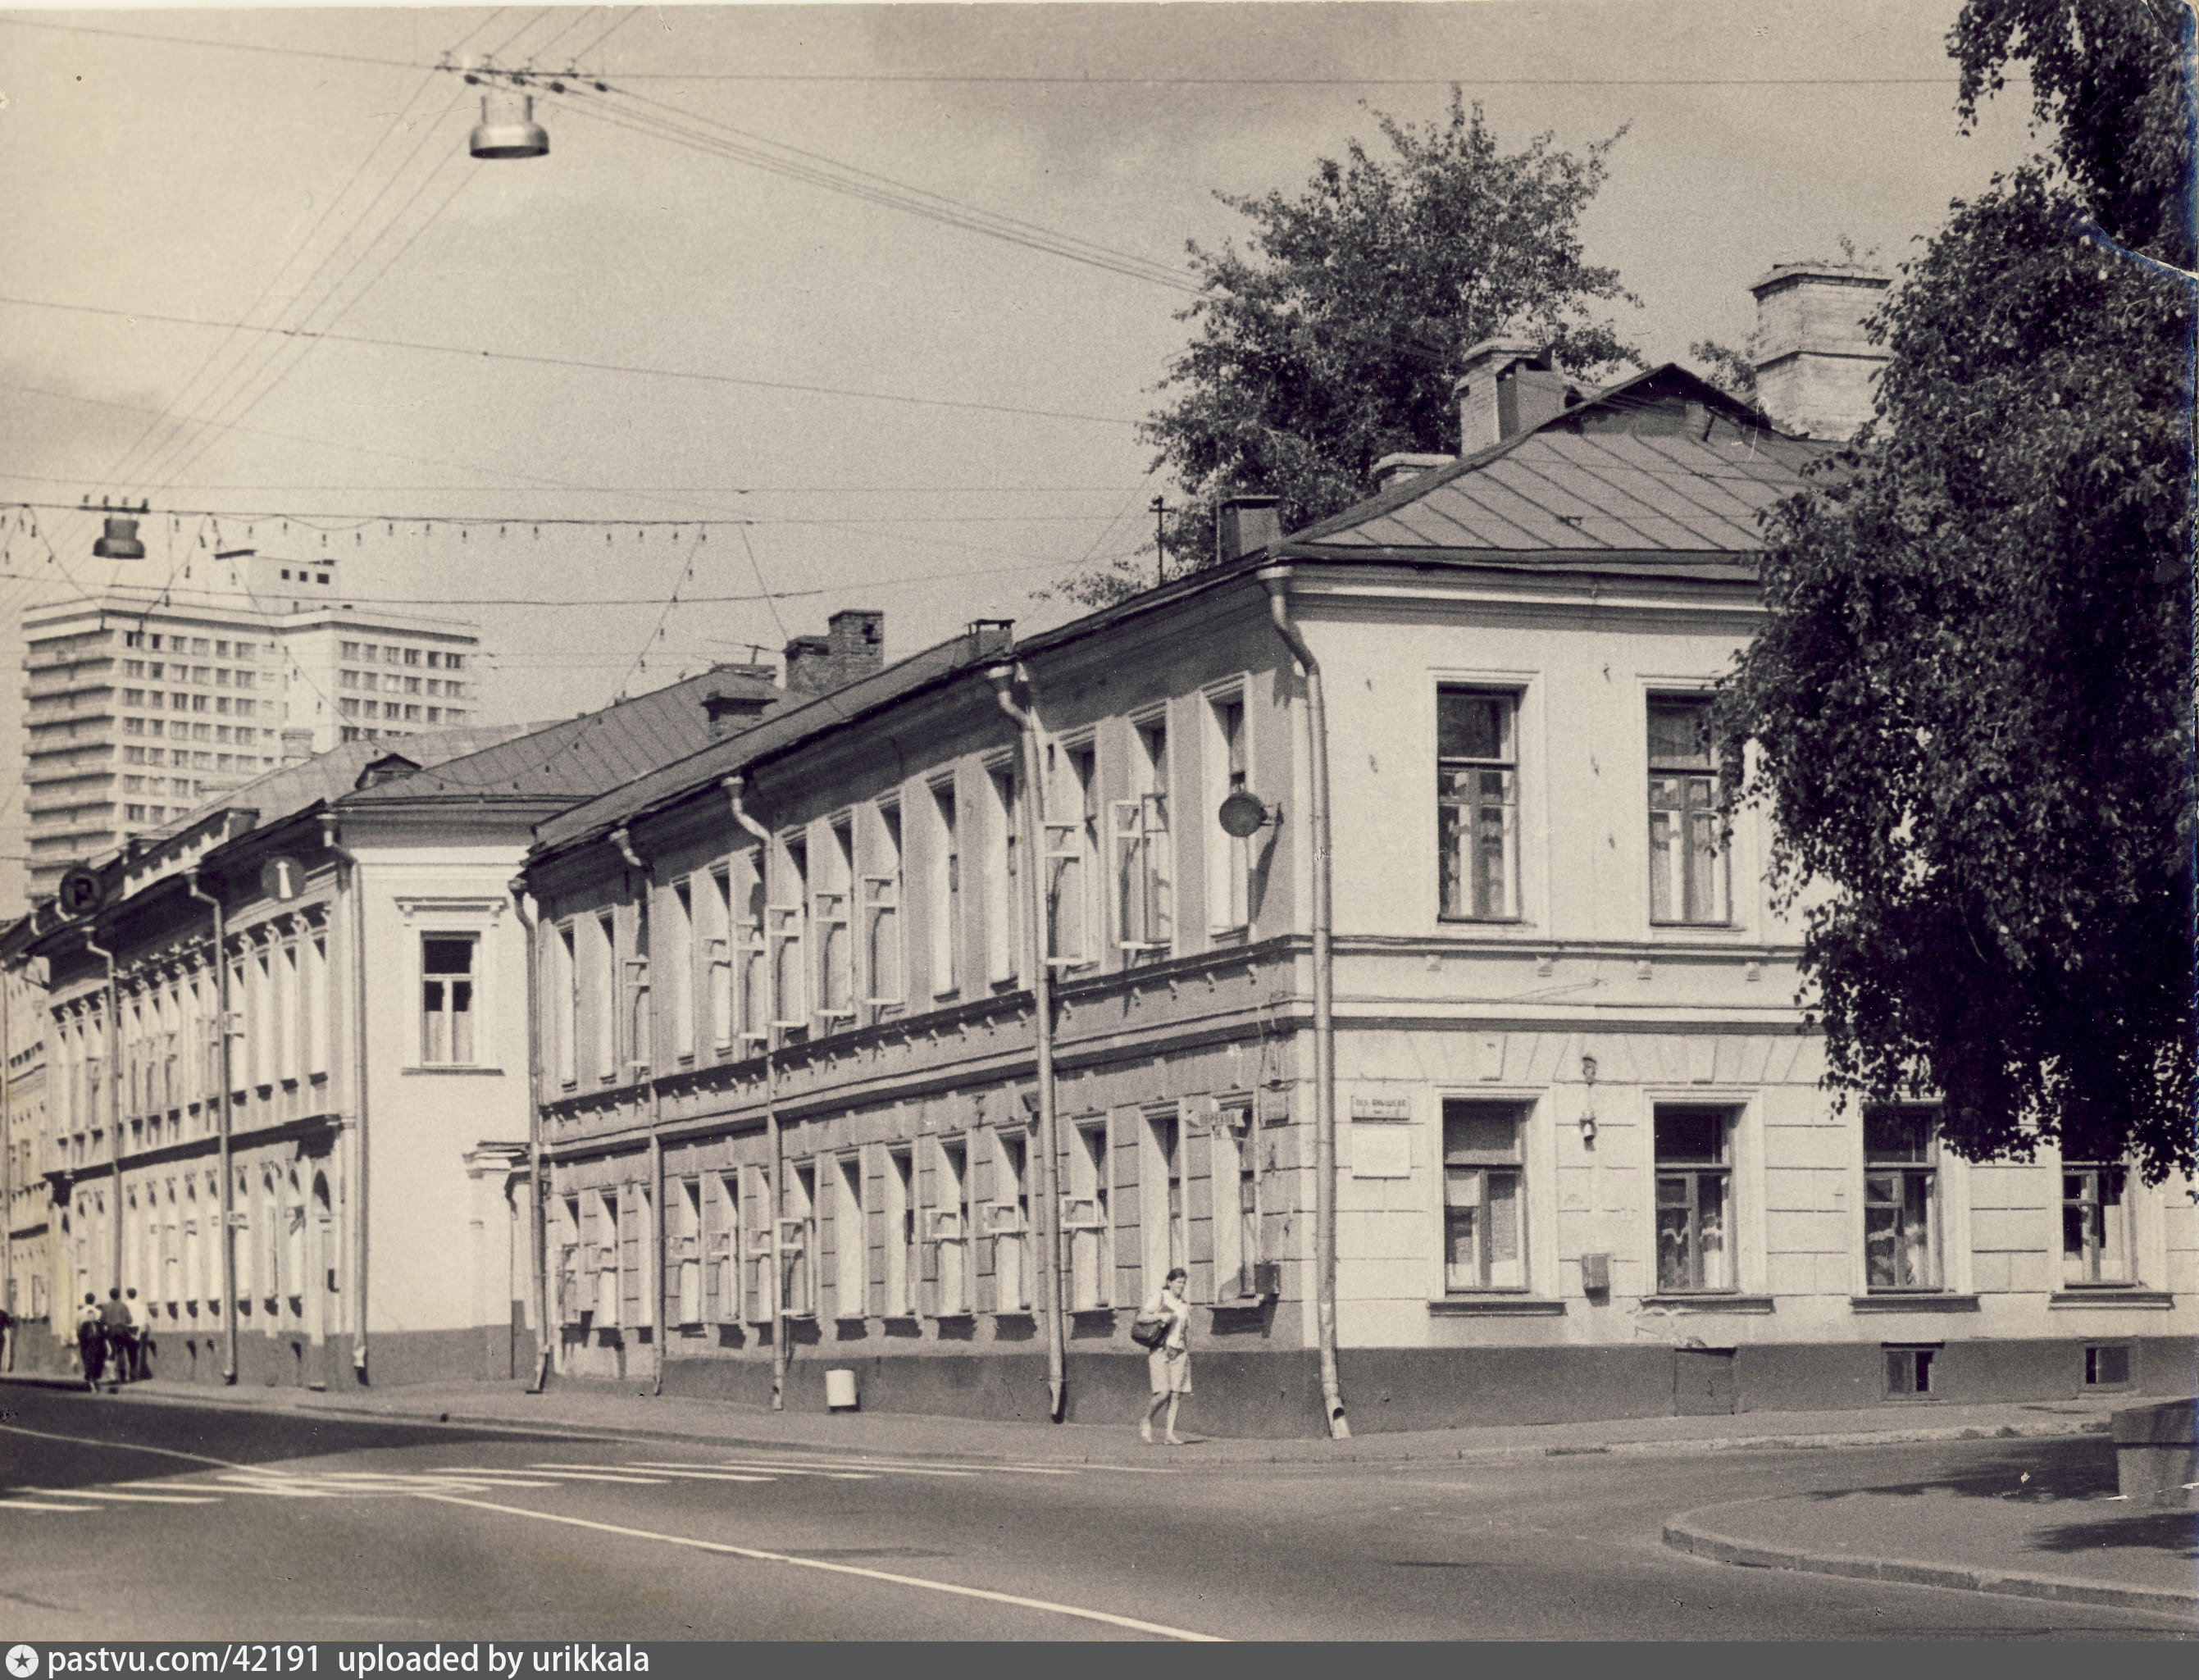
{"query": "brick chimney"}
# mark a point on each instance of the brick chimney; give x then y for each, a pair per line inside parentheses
(731, 709)
(1393, 469)
(1245, 525)
(1816, 368)
(1509, 386)
(991, 638)
(853, 647)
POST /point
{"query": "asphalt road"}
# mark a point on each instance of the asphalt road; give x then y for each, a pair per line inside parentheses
(133, 1520)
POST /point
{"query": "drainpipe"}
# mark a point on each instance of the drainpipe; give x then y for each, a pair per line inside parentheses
(1057, 1347)
(1278, 579)
(228, 1189)
(624, 842)
(538, 1193)
(114, 1093)
(357, 891)
(734, 786)
(8, 1166)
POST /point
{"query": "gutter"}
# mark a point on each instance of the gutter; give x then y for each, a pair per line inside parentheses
(735, 787)
(228, 1187)
(624, 841)
(114, 1092)
(538, 1193)
(359, 1185)
(1041, 980)
(1278, 580)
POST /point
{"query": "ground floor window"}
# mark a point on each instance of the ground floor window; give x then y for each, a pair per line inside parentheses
(1901, 1199)
(1483, 1235)
(2096, 1245)
(1695, 1200)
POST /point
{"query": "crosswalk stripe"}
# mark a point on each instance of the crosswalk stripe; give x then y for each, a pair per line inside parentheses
(127, 1498)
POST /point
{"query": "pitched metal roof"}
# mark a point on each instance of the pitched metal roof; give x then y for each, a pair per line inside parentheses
(581, 757)
(668, 784)
(1660, 473)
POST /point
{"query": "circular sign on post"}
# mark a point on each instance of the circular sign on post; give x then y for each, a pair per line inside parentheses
(281, 878)
(81, 891)
(1242, 816)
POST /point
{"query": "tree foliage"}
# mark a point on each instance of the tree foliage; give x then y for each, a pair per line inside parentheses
(1336, 337)
(1972, 699)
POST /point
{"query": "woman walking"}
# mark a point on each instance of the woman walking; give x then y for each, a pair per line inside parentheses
(1169, 1364)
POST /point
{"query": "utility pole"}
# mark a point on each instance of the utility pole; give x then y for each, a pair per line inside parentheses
(1160, 553)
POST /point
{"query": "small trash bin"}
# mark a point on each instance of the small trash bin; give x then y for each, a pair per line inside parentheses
(840, 1391)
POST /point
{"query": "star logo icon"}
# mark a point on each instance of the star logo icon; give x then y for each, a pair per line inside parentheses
(22, 1661)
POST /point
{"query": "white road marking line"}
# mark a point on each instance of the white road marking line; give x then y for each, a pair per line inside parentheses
(803, 1470)
(33, 1505)
(840, 1569)
(706, 1475)
(872, 1467)
(128, 1498)
(578, 1473)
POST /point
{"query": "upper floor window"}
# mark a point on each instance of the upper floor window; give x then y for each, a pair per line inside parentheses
(604, 994)
(2096, 1239)
(944, 910)
(446, 997)
(789, 923)
(836, 934)
(1478, 803)
(1003, 862)
(1901, 1198)
(882, 963)
(1229, 859)
(1687, 864)
(679, 970)
(1145, 852)
(1072, 846)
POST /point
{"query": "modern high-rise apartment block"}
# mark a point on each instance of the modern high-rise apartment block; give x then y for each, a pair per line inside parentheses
(144, 701)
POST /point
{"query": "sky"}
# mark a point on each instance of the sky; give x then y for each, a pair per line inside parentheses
(739, 298)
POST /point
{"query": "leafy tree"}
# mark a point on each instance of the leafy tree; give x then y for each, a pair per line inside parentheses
(1972, 699)
(1733, 372)
(1335, 339)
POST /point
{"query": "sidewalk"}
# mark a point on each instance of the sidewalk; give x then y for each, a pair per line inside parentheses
(2066, 1542)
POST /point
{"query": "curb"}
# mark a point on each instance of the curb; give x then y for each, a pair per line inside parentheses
(42, 1379)
(1702, 1543)
(1429, 1453)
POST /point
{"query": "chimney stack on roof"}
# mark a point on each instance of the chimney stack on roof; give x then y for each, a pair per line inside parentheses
(1392, 470)
(853, 647)
(732, 709)
(1815, 366)
(991, 638)
(1509, 386)
(1246, 525)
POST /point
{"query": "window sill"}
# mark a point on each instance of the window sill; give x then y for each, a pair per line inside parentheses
(1696, 927)
(1092, 1313)
(851, 1318)
(959, 1317)
(2112, 1295)
(1920, 1302)
(1711, 1302)
(1495, 1306)
(449, 1067)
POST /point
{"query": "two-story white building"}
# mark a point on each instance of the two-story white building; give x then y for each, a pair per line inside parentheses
(1388, 968)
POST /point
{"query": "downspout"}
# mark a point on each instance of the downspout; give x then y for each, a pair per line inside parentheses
(359, 1185)
(538, 1193)
(228, 1189)
(1278, 579)
(1057, 1347)
(114, 1093)
(8, 1164)
(733, 786)
(624, 842)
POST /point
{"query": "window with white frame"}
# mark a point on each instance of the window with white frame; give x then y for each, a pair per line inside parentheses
(835, 924)
(1072, 848)
(950, 1230)
(317, 1004)
(788, 920)
(761, 1305)
(602, 964)
(1009, 1221)
(565, 1001)
(725, 1244)
(680, 967)
(1901, 1199)
(1003, 862)
(1688, 871)
(2095, 1236)
(687, 1252)
(1168, 1242)
(852, 1249)
(797, 1243)
(1478, 803)
(607, 1268)
(718, 952)
(752, 955)
(447, 980)
(1229, 858)
(886, 984)
(943, 906)
(1484, 1203)
(904, 1259)
(1087, 1220)
(639, 1013)
(1145, 850)
(1236, 1190)
(1695, 1200)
